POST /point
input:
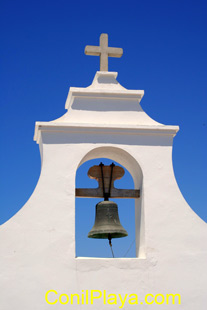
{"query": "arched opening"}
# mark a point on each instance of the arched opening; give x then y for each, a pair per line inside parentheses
(130, 210)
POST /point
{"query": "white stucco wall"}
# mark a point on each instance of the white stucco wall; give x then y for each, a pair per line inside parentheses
(37, 250)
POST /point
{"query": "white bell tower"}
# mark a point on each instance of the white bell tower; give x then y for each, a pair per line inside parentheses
(37, 250)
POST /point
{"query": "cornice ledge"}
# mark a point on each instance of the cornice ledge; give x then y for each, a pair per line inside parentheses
(104, 129)
(103, 93)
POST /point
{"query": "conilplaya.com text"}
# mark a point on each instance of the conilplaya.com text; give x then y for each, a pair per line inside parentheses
(90, 297)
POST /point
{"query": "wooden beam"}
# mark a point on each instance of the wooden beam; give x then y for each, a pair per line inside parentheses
(110, 174)
(115, 193)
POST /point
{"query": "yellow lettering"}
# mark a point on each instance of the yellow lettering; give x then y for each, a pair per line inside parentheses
(173, 298)
(46, 295)
(95, 297)
(104, 297)
(75, 295)
(146, 300)
(122, 300)
(86, 297)
(62, 302)
(82, 298)
(112, 299)
(159, 302)
(133, 299)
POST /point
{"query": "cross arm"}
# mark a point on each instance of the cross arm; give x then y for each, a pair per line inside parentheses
(115, 52)
(92, 50)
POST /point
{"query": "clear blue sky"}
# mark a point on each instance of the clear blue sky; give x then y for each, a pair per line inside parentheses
(42, 55)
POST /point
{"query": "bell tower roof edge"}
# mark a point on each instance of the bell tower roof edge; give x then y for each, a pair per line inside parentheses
(104, 85)
(105, 104)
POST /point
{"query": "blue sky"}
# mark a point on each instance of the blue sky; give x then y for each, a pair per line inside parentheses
(42, 55)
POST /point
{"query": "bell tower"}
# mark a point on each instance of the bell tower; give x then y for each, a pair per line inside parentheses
(38, 243)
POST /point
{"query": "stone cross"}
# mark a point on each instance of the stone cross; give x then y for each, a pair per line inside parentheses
(103, 51)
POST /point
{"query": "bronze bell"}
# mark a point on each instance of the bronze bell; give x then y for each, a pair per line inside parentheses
(107, 224)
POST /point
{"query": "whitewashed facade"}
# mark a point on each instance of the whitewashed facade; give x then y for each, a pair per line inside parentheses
(37, 251)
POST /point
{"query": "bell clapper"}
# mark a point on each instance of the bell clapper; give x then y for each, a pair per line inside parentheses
(109, 238)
